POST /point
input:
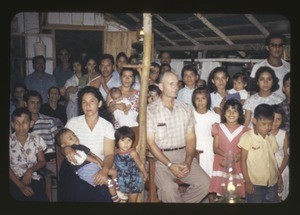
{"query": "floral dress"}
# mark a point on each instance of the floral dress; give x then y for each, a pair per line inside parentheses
(129, 175)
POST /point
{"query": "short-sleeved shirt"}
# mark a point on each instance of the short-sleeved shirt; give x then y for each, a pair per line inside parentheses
(61, 76)
(185, 95)
(169, 127)
(46, 128)
(280, 72)
(24, 157)
(216, 100)
(244, 94)
(41, 85)
(253, 101)
(261, 161)
(93, 139)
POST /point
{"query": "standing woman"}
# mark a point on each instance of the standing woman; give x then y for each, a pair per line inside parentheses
(97, 133)
(127, 76)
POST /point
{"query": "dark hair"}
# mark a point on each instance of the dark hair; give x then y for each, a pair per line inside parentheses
(53, 87)
(286, 77)
(18, 85)
(240, 75)
(107, 56)
(154, 64)
(201, 90)
(279, 110)
(122, 133)
(32, 93)
(80, 61)
(103, 112)
(235, 104)
(264, 111)
(59, 134)
(210, 85)
(273, 36)
(128, 69)
(165, 64)
(35, 58)
(153, 87)
(132, 57)
(113, 90)
(163, 52)
(189, 68)
(263, 69)
(19, 111)
(121, 54)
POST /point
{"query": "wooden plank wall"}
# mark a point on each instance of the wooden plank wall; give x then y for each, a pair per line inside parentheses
(115, 42)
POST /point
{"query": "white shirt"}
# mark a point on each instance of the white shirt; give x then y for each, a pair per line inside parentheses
(185, 95)
(280, 72)
(72, 106)
(92, 139)
(244, 94)
(129, 119)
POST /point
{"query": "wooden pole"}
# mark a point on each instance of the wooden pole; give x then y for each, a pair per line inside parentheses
(141, 147)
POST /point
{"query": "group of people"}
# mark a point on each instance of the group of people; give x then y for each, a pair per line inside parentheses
(242, 133)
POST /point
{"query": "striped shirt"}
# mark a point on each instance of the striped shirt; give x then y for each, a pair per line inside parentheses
(46, 128)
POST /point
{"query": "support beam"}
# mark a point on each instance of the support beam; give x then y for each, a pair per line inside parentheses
(217, 31)
(176, 29)
(136, 19)
(141, 147)
(257, 24)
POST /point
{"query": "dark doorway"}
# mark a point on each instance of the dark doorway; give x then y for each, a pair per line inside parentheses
(79, 41)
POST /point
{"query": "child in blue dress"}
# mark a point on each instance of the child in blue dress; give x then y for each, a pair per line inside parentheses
(132, 173)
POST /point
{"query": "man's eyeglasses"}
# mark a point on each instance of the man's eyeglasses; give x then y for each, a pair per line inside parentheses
(277, 45)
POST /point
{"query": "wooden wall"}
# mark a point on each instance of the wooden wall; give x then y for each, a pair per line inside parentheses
(115, 42)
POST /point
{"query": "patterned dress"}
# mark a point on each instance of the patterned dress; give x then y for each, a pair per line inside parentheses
(129, 175)
(228, 140)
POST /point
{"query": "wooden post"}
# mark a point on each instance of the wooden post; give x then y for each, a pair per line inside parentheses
(141, 147)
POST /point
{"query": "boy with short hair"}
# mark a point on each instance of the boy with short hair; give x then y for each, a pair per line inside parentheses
(189, 75)
(26, 157)
(259, 166)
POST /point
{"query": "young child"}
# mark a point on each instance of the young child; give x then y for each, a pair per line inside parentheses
(189, 75)
(128, 164)
(285, 104)
(181, 84)
(218, 84)
(227, 154)
(154, 73)
(88, 164)
(258, 162)
(26, 157)
(205, 119)
(127, 117)
(267, 83)
(282, 155)
(240, 81)
(153, 93)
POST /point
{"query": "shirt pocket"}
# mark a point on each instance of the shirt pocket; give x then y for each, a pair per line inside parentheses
(161, 131)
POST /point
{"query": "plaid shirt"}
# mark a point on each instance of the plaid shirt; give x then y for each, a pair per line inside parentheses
(169, 127)
(286, 108)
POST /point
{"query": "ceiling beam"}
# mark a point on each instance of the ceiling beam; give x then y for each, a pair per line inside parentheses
(176, 29)
(257, 24)
(216, 39)
(233, 47)
(217, 31)
(136, 19)
(119, 21)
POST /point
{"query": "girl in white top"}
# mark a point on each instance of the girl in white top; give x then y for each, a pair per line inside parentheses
(282, 155)
(205, 119)
(72, 87)
(267, 83)
(218, 83)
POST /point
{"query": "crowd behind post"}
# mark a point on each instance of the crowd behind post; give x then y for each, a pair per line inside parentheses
(97, 98)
